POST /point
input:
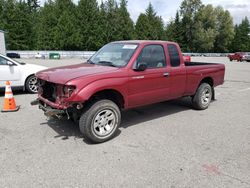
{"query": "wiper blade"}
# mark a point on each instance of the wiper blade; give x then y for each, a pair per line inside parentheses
(90, 62)
(108, 63)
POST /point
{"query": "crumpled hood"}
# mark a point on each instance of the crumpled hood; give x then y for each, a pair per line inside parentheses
(61, 75)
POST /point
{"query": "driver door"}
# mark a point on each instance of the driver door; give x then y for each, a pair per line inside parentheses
(151, 85)
(9, 71)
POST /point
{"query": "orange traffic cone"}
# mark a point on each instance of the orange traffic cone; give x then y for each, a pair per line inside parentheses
(9, 101)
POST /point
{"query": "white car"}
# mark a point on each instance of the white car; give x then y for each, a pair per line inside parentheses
(19, 74)
(39, 56)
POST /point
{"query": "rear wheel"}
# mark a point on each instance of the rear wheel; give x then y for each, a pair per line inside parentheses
(202, 97)
(31, 84)
(100, 121)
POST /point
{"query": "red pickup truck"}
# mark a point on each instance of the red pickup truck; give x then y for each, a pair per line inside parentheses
(124, 75)
(238, 56)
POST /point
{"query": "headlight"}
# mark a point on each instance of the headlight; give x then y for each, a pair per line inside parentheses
(68, 90)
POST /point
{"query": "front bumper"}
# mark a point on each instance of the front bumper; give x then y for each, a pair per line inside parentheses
(48, 110)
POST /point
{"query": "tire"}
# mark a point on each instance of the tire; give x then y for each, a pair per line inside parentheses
(100, 121)
(202, 97)
(30, 84)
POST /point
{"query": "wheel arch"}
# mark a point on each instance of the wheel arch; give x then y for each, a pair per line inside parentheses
(25, 80)
(110, 94)
(209, 80)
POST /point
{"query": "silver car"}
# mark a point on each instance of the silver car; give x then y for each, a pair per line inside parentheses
(246, 57)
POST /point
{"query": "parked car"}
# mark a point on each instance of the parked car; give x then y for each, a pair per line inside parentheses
(13, 55)
(124, 75)
(187, 58)
(21, 75)
(39, 56)
(238, 56)
(246, 57)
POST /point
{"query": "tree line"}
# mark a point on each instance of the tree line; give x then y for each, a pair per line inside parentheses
(87, 25)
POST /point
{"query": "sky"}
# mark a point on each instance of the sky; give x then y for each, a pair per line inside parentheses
(167, 8)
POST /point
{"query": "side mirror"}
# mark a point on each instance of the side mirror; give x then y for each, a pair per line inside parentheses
(10, 63)
(141, 67)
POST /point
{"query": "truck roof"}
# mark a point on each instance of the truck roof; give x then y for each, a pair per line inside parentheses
(144, 41)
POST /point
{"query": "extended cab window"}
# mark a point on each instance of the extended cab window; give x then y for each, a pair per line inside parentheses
(153, 56)
(174, 55)
(3, 61)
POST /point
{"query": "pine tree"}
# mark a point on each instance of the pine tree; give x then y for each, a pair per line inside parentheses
(88, 17)
(17, 25)
(188, 10)
(125, 24)
(46, 27)
(2, 5)
(241, 40)
(225, 30)
(150, 26)
(204, 30)
(174, 30)
(142, 27)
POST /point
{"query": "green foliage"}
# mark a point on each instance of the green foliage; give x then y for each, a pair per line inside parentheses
(125, 23)
(46, 24)
(241, 40)
(204, 32)
(149, 26)
(18, 32)
(225, 30)
(87, 25)
(66, 31)
(2, 4)
(174, 31)
(189, 10)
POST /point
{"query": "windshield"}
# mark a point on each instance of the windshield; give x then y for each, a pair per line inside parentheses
(114, 54)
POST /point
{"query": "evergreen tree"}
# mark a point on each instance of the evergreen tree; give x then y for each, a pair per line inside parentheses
(204, 30)
(47, 22)
(174, 30)
(241, 40)
(125, 23)
(88, 16)
(67, 33)
(142, 27)
(33, 5)
(225, 30)
(188, 10)
(150, 26)
(17, 25)
(112, 21)
(2, 5)
(103, 29)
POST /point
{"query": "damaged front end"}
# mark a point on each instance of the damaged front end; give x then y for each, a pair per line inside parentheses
(54, 100)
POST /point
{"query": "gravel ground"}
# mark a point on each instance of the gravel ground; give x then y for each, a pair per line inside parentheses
(162, 145)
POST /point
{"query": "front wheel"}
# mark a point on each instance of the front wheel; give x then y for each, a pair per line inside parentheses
(31, 84)
(202, 97)
(100, 121)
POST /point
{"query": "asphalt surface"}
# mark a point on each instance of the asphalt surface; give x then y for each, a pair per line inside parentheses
(162, 145)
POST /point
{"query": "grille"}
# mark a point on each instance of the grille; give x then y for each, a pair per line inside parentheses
(48, 90)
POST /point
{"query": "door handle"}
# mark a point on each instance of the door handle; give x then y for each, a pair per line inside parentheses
(166, 74)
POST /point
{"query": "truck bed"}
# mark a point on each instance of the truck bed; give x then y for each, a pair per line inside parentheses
(196, 71)
(199, 63)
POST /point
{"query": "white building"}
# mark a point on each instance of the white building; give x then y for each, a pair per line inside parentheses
(2, 43)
